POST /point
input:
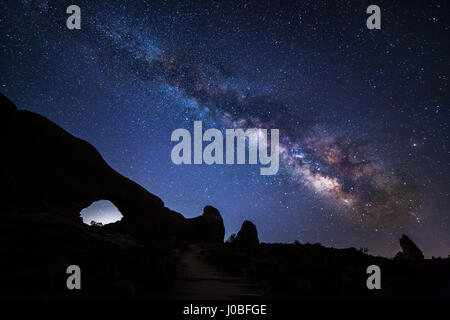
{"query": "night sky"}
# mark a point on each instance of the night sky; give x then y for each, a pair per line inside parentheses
(363, 114)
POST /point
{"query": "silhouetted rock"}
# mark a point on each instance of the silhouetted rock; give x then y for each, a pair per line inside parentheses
(46, 169)
(247, 236)
(409, 250)
(210, 211)
(213, 229)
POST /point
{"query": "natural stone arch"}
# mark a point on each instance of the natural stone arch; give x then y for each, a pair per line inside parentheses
(103, 211)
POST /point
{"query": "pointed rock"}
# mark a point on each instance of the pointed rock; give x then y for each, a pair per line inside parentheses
(248, 235)
(409, 249)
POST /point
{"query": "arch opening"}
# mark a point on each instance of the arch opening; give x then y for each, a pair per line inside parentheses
(102, 211)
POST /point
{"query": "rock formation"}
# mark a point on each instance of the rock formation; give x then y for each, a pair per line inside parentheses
(409, 249)
(247, 236)
(46, 169)
(212, 225)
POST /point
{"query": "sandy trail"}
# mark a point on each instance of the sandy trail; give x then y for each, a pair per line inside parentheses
(199, 279)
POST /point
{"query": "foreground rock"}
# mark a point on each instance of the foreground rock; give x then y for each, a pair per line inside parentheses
(312, 271)
(248, 235)
(37, 248)
(409, 250)
(45, 169)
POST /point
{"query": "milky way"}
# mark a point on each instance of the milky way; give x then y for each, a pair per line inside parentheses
(362, 114)
(334, 167)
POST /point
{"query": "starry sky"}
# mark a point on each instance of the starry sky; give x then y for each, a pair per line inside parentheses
(363, 114)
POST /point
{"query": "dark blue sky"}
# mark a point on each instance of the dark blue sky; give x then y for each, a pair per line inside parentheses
(363, 114)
